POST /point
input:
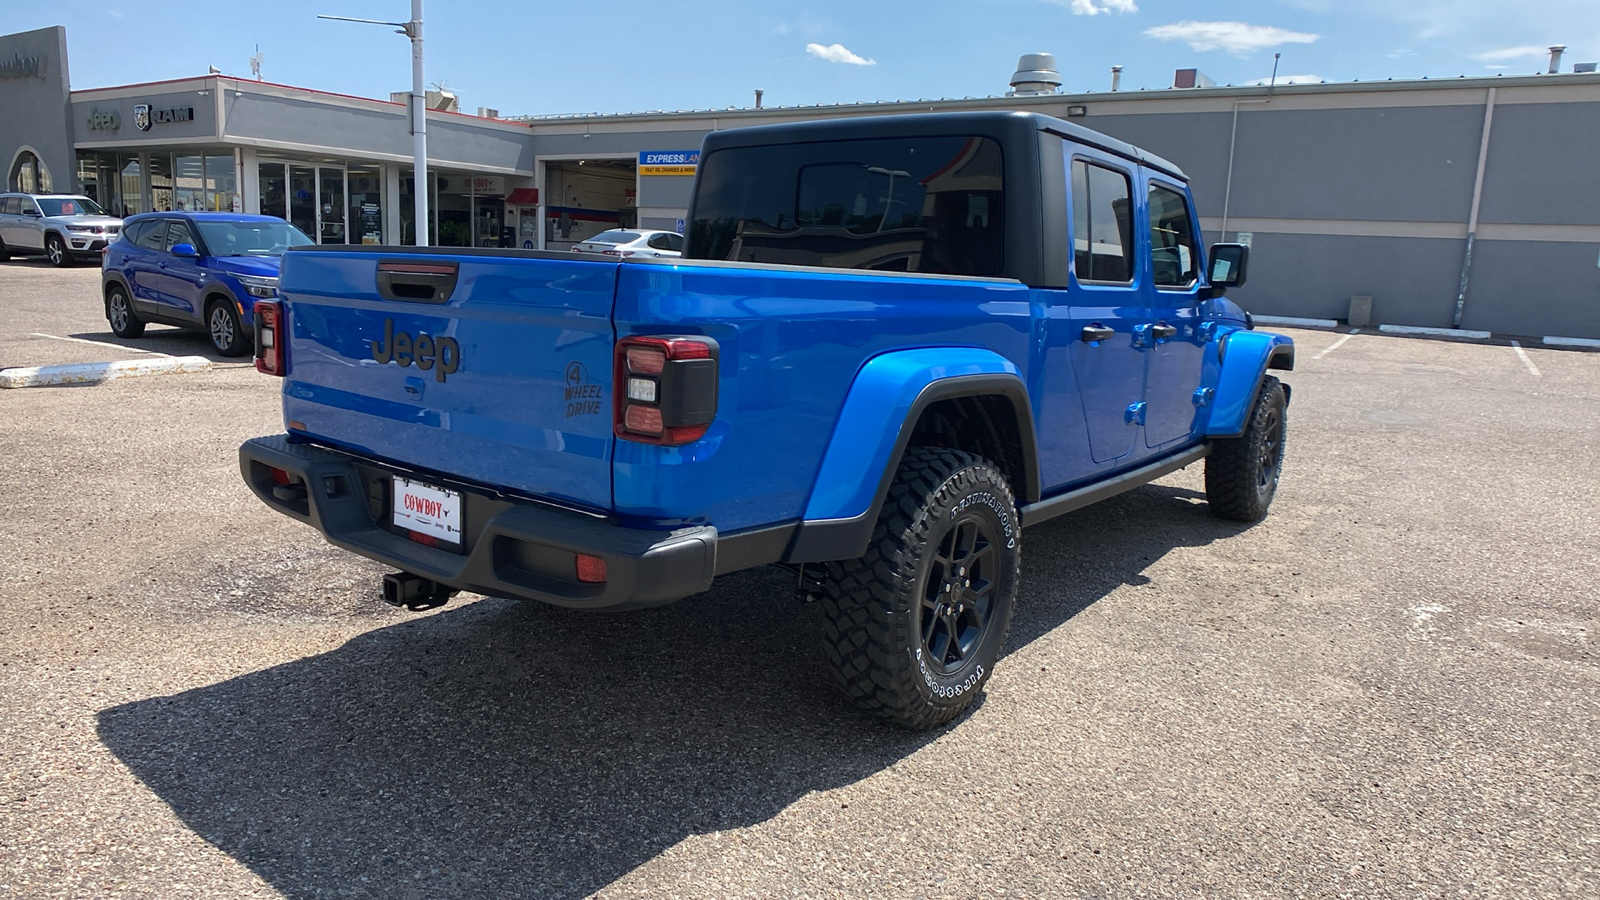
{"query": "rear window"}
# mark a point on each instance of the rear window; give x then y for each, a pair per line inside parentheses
(926, 204)
(614, 237)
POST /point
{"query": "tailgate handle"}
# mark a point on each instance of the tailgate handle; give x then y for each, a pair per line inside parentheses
(416, 282)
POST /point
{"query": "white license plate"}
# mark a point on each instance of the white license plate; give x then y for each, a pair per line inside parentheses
(428, 510)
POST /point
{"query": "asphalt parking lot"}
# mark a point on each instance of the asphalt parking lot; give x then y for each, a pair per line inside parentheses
(1389, 688)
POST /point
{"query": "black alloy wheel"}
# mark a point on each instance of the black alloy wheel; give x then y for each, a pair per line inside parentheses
(958, 595)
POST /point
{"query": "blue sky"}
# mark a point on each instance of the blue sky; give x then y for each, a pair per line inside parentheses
(546, 57)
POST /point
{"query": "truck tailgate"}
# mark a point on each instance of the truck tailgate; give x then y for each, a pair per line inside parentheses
(489, 366)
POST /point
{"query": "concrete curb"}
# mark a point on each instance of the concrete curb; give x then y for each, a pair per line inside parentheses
(94, 373)
(1292, 322)
(1555, 341)
(1436, 332)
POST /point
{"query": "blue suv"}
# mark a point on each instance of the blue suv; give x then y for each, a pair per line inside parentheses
(195, 270)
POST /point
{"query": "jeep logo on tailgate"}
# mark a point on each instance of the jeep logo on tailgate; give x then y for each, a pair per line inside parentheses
(441, 354)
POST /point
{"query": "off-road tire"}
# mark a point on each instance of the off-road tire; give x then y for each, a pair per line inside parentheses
(124, 322)
(55, 250)
(222, 326)
(1242, 473)
(886, 615)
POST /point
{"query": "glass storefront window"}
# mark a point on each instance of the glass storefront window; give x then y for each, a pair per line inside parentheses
(189, 182)
(274, 191)
(131, 196)
(160, 176)
(303, 198)
(221, 184)
(366, 204)
(331, 201)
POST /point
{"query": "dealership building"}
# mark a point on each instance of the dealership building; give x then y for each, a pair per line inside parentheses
(1460, 202)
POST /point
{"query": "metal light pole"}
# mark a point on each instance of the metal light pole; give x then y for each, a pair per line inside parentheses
(419, 114)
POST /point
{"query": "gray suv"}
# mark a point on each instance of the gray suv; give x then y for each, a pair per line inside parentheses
(63, 228)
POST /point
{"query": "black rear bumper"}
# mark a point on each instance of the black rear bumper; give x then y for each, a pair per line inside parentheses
(511, 547)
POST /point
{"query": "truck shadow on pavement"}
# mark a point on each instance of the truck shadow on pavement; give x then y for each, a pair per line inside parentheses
(509, 749)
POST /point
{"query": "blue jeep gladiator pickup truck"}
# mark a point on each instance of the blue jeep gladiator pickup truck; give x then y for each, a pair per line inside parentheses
(892, 343)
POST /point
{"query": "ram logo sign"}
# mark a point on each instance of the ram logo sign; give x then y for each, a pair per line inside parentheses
(141, 117)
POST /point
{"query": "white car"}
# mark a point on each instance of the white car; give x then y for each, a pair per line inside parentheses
(632, 242)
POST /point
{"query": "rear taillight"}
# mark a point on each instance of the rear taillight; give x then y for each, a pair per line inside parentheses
(270, 338)
(665, 389)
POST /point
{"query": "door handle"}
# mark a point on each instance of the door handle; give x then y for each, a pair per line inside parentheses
(162, 265)
(1094, 334)
(1163, 331)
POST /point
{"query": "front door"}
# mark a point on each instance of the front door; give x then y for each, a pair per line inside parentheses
(1176, 342)
(175, 280)
(1108, 306)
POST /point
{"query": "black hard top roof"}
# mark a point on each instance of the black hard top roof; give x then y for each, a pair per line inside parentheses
(1007, 123)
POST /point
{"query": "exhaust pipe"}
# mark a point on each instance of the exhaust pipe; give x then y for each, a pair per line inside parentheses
(415, 592)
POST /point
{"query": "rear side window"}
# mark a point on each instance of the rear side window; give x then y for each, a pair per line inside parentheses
(154, 235)
(665, 242)
(1173, 260)
(921, 204)
(10, 206)
(1102, 223)
(132, 233)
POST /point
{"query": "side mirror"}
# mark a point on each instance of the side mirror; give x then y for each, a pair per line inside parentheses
(184, 250)
(1230, 264)
(30, 211)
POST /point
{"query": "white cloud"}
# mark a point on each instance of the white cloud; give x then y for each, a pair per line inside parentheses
(1237, 38)
(1290, 79)
(1510, 54)
(838, 53)
(1090, 8)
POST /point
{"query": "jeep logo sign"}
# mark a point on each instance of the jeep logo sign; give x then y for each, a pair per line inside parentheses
(441, 354)
(104, 121)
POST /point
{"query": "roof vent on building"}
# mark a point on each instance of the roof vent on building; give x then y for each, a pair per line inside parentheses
(1555, 58)
(485, 112)
(1583, 67)
(1036, 74)
(1191, 78)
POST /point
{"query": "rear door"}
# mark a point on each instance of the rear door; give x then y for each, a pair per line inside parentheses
(483, 367)
(1108, 304)
(10, 207)
(1176, 344)
(149, 248)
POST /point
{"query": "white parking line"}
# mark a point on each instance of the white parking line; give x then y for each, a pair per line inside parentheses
(57, 337)
(1523, 355)
(1339, 343)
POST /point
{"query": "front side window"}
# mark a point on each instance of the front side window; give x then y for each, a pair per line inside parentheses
(178, 233)
(919, 204)
(1102, 223)
(1173, 260)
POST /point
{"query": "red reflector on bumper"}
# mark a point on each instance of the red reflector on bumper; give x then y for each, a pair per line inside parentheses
(591, 569)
